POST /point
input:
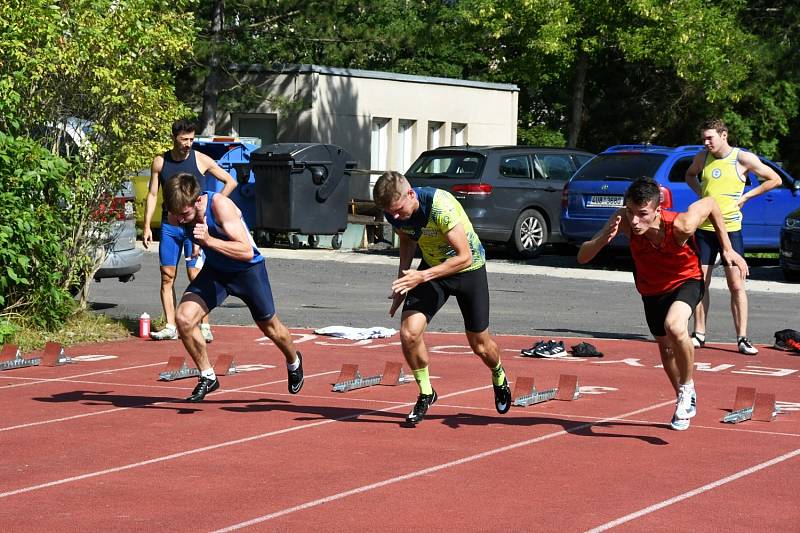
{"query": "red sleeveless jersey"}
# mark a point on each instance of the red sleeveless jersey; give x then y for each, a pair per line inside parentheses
(661, 269)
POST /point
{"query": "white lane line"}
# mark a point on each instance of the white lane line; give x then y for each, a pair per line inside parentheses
(429, 470)
(225, 444)
(39, 381)
(145, 404)
(695, 492)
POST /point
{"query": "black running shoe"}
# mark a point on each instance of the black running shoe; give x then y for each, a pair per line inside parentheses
(204, 386)
(502, 397)
(296, 377)
(421, 407)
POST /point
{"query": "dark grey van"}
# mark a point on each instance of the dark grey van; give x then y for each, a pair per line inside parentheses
(512, 194)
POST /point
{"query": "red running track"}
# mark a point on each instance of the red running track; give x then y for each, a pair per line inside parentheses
(102, 445)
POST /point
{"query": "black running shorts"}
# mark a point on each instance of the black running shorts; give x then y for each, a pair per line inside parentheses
(656, 307)
(471, 290)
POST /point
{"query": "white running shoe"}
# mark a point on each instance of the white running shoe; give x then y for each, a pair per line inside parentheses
(169, 333)
(746, 347)
(698, 340)
(678, 424)
(686, 406)
(205, 329)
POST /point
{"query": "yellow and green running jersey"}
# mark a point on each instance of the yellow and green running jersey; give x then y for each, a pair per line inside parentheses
(438, 213)
(721, 180)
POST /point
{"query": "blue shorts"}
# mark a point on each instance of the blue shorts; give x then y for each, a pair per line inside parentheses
(251, 285)
(708, 247)
(174, 241)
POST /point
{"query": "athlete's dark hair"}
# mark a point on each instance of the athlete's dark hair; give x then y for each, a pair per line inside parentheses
(183, 126)
(714, 124)
(643, 191)
(180, 191)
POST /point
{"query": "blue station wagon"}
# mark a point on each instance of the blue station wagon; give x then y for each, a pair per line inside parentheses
(597, 189)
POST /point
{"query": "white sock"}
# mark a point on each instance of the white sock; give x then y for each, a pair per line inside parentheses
(689, 385)
(209, 374)
(295, 365)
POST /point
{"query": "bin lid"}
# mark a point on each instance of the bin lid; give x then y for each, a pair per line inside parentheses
(301, 152)
(233, 151)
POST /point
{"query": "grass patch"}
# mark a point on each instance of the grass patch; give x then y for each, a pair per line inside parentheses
(82, 327)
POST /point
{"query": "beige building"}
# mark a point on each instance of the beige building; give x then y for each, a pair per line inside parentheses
(384, 120)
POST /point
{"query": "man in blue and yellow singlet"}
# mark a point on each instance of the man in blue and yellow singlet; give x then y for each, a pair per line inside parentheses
(720, 171)
(453, 264)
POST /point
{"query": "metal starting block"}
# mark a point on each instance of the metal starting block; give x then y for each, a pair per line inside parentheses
(525, 392)
(177, 368)
(54, 355)
(11, 357)
(752, 405)
(350, 378)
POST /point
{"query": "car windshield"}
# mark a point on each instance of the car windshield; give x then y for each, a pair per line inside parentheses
(457, 166)
(620, 166)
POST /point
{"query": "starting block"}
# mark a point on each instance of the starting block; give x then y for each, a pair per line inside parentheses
(525, 392)
(176, 368)
(350, 378)
(54, 355)
(752, 405)
(11, 357)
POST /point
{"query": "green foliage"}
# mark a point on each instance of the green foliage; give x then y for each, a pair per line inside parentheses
(35, 220)
(109, 63)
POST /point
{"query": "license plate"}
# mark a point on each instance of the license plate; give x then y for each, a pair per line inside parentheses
(604, 201)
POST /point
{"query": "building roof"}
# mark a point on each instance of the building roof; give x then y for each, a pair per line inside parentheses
(286, 68)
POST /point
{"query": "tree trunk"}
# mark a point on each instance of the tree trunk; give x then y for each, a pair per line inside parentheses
(208, 121)
(576, 108)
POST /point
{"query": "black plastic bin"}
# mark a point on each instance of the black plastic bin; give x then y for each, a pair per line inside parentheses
(301, 188)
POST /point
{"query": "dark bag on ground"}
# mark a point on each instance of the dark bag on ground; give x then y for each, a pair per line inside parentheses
(585, 349)
(787, 340)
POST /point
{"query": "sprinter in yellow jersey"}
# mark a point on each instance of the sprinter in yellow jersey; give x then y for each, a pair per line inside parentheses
(453, 264)
(720, 171)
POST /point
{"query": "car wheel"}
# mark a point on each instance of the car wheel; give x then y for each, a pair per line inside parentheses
(791, 275)
(530, 234)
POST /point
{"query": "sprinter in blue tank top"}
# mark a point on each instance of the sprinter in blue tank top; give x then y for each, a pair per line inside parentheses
(180, 158)
(234, 266)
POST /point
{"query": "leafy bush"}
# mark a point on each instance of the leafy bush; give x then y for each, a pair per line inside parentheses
(37, 199)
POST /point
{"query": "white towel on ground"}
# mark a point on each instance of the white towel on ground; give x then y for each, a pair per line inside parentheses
(356, 334)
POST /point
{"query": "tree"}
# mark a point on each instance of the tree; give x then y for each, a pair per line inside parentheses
(423, 38)
(109, 63)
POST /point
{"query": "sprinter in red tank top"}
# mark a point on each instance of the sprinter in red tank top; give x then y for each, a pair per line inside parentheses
(668, 276)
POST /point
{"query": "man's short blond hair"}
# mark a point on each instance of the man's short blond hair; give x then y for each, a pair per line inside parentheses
(389, 188)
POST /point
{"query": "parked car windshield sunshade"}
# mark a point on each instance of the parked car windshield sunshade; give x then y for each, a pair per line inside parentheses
(624, 166)
(456, 166)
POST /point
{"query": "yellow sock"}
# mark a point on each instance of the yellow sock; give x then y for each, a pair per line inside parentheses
(498, 374)
(423, 380)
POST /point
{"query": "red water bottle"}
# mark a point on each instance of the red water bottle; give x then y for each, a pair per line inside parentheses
(144, 326)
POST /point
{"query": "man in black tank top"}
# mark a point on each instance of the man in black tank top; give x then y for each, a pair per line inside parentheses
(180, 158)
